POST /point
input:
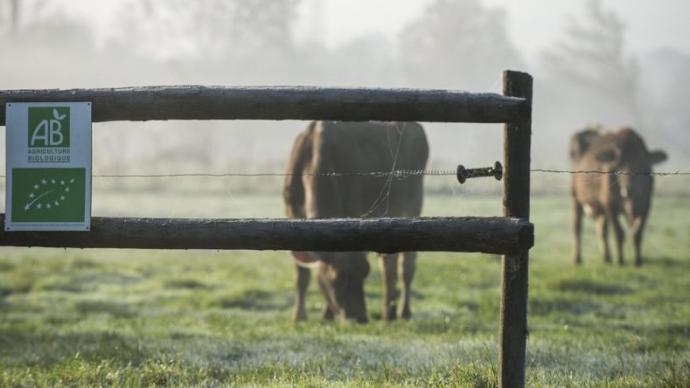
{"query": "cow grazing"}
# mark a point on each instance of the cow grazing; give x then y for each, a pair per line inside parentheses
(606, 196)
(344, 147)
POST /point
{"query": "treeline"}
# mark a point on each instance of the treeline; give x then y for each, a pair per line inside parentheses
(586, 77)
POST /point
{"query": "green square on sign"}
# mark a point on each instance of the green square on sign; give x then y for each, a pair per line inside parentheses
(48, 194)
(49, 127)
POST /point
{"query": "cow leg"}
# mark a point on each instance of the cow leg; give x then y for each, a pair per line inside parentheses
(303, 275)
(409, 263)
(638, 228)
(329, 309)
(620, 237)
(603, 233)
(577, 232)
(389, 270)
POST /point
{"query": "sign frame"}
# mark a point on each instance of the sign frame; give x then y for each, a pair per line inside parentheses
(48, 167)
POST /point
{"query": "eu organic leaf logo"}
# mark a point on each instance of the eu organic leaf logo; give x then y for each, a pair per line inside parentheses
(48, 194)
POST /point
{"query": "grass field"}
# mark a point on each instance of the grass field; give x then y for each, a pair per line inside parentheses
(197, 318)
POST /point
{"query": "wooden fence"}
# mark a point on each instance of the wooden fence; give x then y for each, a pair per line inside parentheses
(511, 235)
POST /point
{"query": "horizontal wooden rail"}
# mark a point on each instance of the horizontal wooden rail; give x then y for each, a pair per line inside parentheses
(497, 235)
(281, 103)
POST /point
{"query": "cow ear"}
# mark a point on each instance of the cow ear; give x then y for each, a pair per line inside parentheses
(657, 156)
(607, 155)
(576, 149)
(581, 141)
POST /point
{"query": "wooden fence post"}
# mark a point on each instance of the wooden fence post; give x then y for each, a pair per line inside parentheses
(516, 154)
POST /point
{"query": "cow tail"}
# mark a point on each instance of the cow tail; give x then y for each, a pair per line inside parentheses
(293, 188)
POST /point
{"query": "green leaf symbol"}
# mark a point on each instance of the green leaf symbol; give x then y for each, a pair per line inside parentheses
(56, 115)
(48, 194)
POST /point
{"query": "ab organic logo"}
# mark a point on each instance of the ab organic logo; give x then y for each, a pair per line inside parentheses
(49, 127)
(49, 135)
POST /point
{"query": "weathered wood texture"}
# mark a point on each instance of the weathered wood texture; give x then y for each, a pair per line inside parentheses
(281, 103)
(516, 184)
(467, 234)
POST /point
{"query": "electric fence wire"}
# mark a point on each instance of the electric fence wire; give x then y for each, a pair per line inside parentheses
(378, 174)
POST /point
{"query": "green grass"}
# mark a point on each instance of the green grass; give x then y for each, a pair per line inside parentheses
(197, 318)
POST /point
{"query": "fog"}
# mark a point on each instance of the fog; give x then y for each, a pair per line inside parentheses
(587, 72)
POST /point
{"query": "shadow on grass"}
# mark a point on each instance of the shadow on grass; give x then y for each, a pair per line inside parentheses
(190, 284)
(71, 287)
(663, 262)
(46, 349)
(377, 293)
(256, 300)
(591, 287)
(659, 337)
(83, 264)
(5, 292)
(6, 266)
(101, 278)
(18, 286)
(118, 310)
(540, 306)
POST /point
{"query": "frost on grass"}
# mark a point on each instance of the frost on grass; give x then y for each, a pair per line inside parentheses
(550, 362)
(335, 358)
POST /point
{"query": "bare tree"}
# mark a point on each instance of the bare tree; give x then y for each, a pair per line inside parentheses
(14, 16)
(9, 16)
(457, 43)
(591, 57)
(213, 28)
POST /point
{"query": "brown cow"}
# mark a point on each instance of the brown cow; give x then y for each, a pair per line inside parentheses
(343, 147)
(606, 196)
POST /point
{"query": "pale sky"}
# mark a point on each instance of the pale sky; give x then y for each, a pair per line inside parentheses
(532, 24)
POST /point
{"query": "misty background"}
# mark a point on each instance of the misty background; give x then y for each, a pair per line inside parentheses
(587, 70)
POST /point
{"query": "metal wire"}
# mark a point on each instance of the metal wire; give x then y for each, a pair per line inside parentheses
(382, 174)
(667, 173)
(376, 174)
(401, 174)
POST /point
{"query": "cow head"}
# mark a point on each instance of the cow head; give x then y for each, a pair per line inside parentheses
(344, 279)
(626, 152)
(341, 277)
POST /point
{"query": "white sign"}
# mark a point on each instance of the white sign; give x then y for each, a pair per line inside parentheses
(48, 184)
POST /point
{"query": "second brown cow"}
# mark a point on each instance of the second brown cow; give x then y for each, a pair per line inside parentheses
(625, 188)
